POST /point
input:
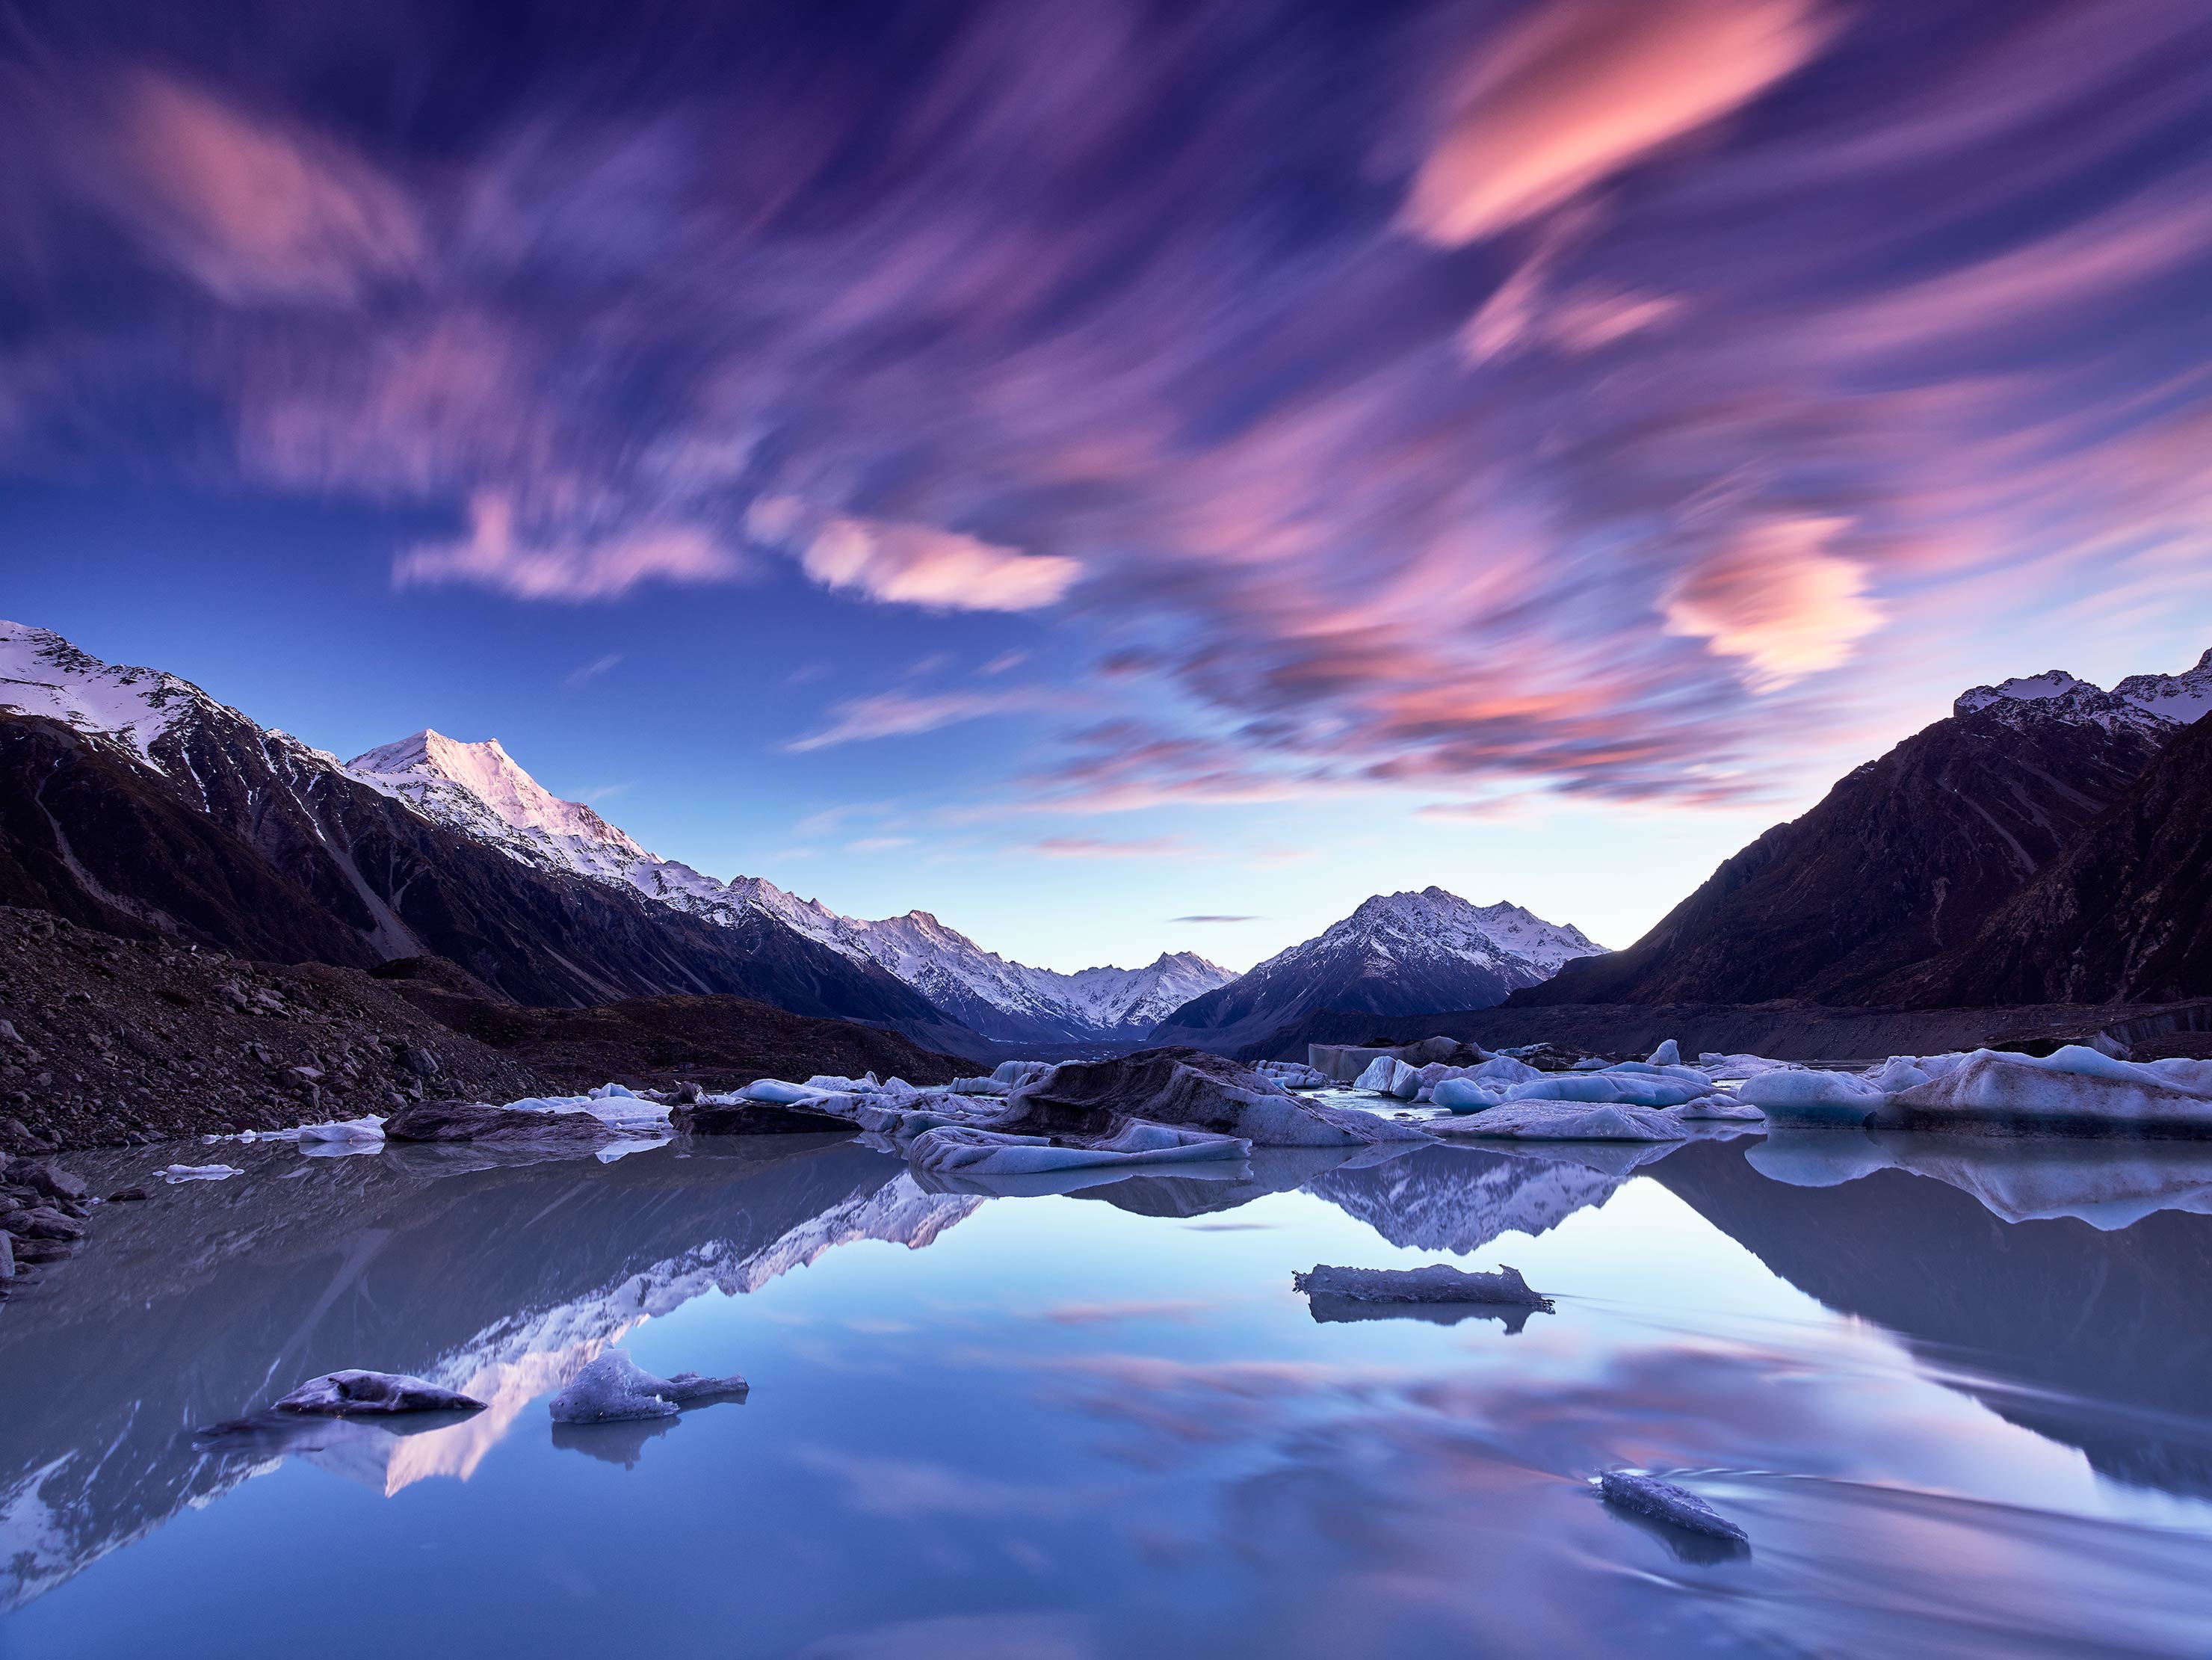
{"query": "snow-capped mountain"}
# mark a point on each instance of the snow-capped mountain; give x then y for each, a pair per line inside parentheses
(1869, 896)
(478, 789)
(165, 811)
(2148, 703)
(1399, 954)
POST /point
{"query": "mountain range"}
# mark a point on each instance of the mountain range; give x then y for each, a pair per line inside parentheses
(1399, 954)
(2044, 843)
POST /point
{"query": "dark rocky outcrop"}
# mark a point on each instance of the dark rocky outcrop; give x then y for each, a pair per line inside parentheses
(476, 1120)
(1903, 861)
(757, 1118)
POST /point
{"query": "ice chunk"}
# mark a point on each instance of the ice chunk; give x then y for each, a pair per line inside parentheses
(370, 1128)
(614, 1387)
(1439, 1282)
(1610, 1088)
(1811, 1097)
(1015, 1073)
(344, 1394)
(1721, 1108)
(977, 1086)
(1294, 1074)
(1668, 1053)
(611, 1104)
(962, 1150)
(1663, 1501)
(1564, 1121)
(2078, 1087)
(1715, 1065)
(1467, 1094)
(175, 1173)
(775, 1090)
(1899, 1072)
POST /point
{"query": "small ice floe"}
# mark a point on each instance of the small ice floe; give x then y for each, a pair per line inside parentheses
(2076, 1088)
(1804, 1096)
(1294, 1074)
(1663, 1501)
(1467, 1094)
(173, 1174)
(963, 1150)
(1668, 1053)
(782, 1094)
(1716, 1064)
(1722, 1109)
(1563, 1121)
(355, 1392)
(1611, 1088)
(1439, 1282)
(1388, 1075)
(614, 1387)
(370, 1128)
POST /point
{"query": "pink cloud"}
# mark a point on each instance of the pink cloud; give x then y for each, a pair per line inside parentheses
(936, 569)
(494, 556)
(1777, 597)
(1092, 847)
(1584, 88)
(254, 210)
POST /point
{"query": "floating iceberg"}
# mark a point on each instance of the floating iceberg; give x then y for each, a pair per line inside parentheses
(1468, 1094)
(611, 1104)
(175, 1173)
(1811, 1097)
(370, 1128)
(955, 1149)
(977, 1086)
(347, 1393)
(1436, 1283)
(1668, 1053)
(1387, 1075)
(1720, 1109)
(776, 1090)
(1188, 1089)
(614, 1387)
(1610, 1088)
(1015, 1073)
(1564, 1121)
(1663, 1501)
(2077, 1088)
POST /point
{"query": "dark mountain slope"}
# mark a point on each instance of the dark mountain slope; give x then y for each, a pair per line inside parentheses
(2125, 914)
(252, 843)
(1901, 862)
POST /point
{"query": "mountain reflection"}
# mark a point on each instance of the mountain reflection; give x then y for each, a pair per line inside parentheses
(500, 1278)
(2098, 1337)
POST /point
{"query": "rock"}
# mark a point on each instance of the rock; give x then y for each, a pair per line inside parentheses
(685, 1094)
(344, 1394)
(126, 1195)
(7, 1256)
(614, 1387)
(757, 1118)
(45, 1223)
(1186, 1088)
(419, 1060)
(1436, 1283)
(30, 1251)
(474, 1120)
(48, 1178)
(1663, 1501)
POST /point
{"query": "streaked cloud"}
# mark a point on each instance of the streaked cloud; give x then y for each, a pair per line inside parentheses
(1580, 89)
(1092, 847)
(919, 565)
(584, 675)
(895, 714)
(1777, 597)
(496, 555)
(1203, 918)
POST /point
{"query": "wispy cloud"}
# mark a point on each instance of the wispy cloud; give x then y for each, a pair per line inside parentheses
(1204, 918)
(606, 792)
(894, 714)
(497, 555)
(880, 844)
(593, 670)
(1088, 847)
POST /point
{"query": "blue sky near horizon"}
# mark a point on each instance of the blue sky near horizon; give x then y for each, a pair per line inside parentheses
(1070, 472)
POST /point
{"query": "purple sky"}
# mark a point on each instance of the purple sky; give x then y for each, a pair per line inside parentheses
(1078, 467)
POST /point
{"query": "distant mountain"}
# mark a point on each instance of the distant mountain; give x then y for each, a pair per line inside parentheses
(2125, 913)
(1399, 954)
(478, 789)
(1903, 862)
(133, 802)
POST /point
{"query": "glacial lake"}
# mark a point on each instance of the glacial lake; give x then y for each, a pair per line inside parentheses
(1958, 1393)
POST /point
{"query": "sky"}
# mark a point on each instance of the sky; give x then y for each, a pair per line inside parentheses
(1127, 476)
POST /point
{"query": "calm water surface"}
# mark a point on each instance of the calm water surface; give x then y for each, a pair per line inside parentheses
(1959, 1395)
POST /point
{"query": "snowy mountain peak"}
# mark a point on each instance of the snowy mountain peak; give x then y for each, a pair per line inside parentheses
(488, 772)
(2146, 702)
(2185, 697)
(1436, 919)
(43, 674)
